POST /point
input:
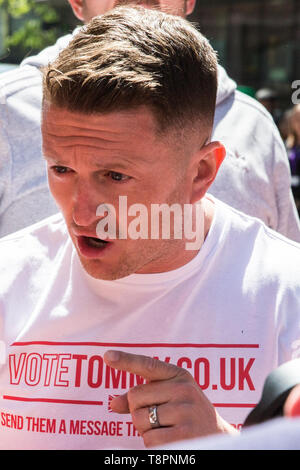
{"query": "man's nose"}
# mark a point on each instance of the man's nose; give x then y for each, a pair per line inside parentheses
(85, 203)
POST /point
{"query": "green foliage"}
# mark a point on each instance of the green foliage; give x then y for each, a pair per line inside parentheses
(38, 24)
(16, 8)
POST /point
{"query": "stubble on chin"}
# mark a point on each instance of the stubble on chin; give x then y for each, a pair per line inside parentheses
(149, 258)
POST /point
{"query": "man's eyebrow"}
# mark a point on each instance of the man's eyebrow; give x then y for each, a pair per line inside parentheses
(47, 157)
(124, 164)
(116, 163)
(51, 157)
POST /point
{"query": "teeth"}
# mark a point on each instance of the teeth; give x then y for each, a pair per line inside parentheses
(95, 242)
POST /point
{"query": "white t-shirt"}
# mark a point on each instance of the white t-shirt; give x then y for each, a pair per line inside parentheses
(229, 316)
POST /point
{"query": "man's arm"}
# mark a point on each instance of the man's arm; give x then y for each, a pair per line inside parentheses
(183, 410)
(5, 160)
(24, 193)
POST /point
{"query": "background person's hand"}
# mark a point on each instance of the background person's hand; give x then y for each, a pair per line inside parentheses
(183, 410)
(292, 404)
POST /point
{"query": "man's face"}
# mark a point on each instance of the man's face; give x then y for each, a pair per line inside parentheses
(93, 8)
(94, 159)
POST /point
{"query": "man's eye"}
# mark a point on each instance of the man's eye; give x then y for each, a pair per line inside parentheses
(60, 169)
(114, 175)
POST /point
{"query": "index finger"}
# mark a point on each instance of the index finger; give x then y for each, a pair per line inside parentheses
(149, 368)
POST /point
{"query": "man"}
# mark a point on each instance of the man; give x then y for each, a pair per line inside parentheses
(254, 178)
(180, 337)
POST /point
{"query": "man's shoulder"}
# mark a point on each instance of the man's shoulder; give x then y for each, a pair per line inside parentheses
(39, 241)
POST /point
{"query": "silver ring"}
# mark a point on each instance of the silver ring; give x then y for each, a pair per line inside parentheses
(153, 418)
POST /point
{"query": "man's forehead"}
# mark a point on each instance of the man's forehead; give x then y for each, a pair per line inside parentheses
(63, 122)
(129, 136)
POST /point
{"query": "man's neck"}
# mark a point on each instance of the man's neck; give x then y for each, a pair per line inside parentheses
(186, 250)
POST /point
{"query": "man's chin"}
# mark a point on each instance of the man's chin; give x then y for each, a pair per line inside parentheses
(97, 270)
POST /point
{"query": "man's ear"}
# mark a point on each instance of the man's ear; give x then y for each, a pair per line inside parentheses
(207, 163)
(189, 6)
(77, 7)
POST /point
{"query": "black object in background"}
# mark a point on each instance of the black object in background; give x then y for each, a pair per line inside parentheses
(277, 387)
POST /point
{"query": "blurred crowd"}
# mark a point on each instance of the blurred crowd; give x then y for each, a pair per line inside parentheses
(288, 123)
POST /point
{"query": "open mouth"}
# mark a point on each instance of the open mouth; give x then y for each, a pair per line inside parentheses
(92, 247)
(95, 242)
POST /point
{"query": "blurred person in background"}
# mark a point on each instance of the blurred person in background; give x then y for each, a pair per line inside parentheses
(284, 125)
(268, 98)
(293, 148)
(293, 140)
(255, 177)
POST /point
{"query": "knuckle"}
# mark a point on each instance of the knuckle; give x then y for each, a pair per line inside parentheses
(185, 431)
(184, 374)
(149, 440)
(187, 413)
(151, 364)
(136, 419)
(187, 390)
(132, 395)
(195, 391)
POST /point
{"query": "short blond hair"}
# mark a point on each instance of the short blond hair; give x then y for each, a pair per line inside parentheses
(132, 56)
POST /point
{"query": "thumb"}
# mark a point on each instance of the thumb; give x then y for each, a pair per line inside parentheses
(119, 404)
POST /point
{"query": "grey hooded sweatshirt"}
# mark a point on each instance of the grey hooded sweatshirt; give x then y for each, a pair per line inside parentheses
(254, 177)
